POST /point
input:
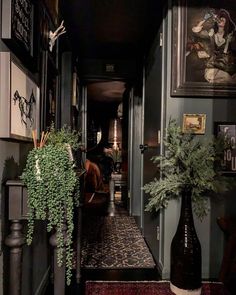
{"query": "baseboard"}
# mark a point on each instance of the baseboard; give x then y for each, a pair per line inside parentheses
(43, 284)
(159, 267)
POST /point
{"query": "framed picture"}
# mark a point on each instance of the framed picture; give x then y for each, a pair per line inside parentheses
(204, 48)
(194, 123)
(19, 100)
(228, 131)
(17, 26)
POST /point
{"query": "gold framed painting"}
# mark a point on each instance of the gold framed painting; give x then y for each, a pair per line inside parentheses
(194, 123)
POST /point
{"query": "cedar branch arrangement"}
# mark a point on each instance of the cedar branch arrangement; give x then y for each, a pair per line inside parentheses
(188, 164)
(53, 188)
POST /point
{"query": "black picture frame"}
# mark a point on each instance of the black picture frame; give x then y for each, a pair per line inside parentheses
(19, 30)
(17, 23)
(194, 60)
(228, 131)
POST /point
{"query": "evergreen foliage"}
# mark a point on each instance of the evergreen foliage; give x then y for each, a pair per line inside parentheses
(53, 190)
(188, 165)
(64, 136)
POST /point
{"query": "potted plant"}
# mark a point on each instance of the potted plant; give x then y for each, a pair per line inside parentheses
(53, 188)
(115, 154)
(189, 169)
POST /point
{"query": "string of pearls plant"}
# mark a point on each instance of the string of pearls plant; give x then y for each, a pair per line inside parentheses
(53, 189)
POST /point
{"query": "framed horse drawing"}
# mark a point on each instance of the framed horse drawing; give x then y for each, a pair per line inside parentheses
(19, 100)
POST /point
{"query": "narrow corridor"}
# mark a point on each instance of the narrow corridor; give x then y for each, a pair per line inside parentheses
(113, 249)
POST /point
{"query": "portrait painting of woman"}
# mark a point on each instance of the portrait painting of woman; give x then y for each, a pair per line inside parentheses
(211, 46)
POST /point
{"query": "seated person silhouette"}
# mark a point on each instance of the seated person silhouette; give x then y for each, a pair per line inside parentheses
(96, 197)
(93, 179)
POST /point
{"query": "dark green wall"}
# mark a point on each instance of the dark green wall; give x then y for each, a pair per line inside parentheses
(216, 109)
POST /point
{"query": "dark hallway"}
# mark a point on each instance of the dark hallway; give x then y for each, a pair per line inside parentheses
(115, 73)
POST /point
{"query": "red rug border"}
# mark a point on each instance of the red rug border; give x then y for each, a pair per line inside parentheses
(158, 282)
(102, 287)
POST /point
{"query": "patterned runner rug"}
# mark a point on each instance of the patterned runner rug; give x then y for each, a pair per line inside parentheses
(145, 288)
(113, 242)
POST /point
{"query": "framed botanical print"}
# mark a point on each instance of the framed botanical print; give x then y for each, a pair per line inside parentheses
(203, 48)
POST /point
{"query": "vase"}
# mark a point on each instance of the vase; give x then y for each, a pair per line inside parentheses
(117, 167)
(185, 273)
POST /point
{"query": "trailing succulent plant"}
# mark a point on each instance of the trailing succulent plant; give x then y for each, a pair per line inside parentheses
(53, 188)
(188, 164)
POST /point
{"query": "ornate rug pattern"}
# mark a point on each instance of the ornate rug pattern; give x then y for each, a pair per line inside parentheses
(114, 242)
(145, 288)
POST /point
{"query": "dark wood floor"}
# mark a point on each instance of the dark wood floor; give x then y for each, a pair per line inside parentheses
(113, 209)
(111, 275)
(108, 275)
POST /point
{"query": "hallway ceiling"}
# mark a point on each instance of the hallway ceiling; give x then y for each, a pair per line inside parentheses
(111, 29)
(109, 91)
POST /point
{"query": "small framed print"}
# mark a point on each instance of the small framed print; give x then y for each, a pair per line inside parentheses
(228, 131)
(194, 123)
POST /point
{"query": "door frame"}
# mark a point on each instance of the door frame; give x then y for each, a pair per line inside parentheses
(135, 136)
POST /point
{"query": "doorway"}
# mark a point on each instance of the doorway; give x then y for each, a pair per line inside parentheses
(112, 242)
(105, 120)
